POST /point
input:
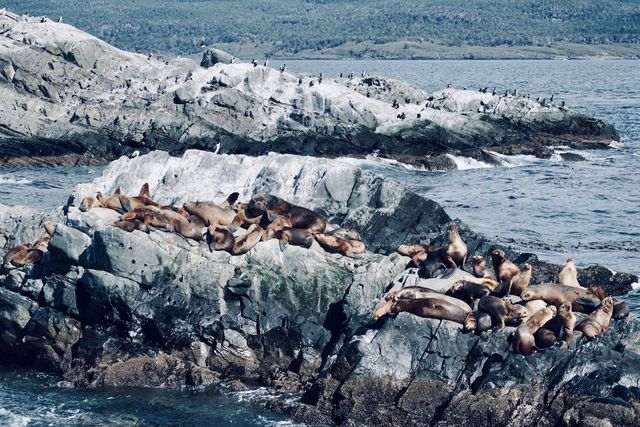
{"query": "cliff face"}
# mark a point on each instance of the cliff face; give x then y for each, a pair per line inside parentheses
(69, 98)
(110, 308)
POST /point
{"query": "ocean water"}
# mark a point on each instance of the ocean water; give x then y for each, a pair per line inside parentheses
(588, 210)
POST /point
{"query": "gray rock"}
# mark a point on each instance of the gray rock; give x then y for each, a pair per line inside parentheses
(67, 245)
(214, 56)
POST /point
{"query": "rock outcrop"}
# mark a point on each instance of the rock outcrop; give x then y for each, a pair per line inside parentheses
(111, 308)
(69, 98)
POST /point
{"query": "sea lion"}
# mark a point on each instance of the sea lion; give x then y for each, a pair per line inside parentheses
(210, 213)
(295, 237)
(568, 276)
(220, 239)
(17, 253)
(481, 269)
(521, 280)
(89, 203)
(505, 270)
(150, 216)
(533, 306)
(230, 201)
(456, 248)
(581, 300)
(598, 321)
(501, 311)
(131, 226)
(251, 238)
(335, 244)
(275, 207)
(620, 308)
(346, 233)
(182, 226)
(559, 328)
(523, 339)
(244, 221)
(468, 292)
(426, 303)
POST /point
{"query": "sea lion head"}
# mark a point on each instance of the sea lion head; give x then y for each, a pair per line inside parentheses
(453, 230)
(89, 203)
(517, 312)
(383, 308)
(498, 256)
(526, 266)
(599, 292)
(607, 304)
(477, 259)
(529, 294)
(259, 204)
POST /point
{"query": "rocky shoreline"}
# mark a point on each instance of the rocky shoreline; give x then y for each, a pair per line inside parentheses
(69, 98)
(111, 308)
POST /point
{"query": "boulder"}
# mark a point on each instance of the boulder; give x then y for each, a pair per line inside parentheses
(213, 56)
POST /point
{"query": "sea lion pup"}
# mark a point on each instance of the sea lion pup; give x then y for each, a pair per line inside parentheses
(276, 207)
(210, 213)
(426, 303)
(251, 238)
(335, 244)
(220, 239)
(501, 311)
(580, 299)
(505, 270)
(569, 275)
(152, 217)
(457, 248)
(468, 292)
(598, 321)
(558, 328)
(523, 339)
(521, 280)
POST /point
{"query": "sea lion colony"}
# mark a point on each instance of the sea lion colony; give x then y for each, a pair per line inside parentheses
(500, 295)
(496, 295)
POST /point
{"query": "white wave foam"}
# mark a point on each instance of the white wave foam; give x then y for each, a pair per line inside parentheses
(635, 285)
(515, 160)
(616, 144)
(15, 181)
(12, 419)
(465, 163)
(555, 157)
(374, 160)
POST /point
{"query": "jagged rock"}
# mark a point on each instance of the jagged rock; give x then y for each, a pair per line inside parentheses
(109, 102)
(213, 56)
(158, 310)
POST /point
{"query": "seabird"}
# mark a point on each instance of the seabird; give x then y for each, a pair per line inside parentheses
(493, 92)
(266, 62)
(300, 81)
(506, 93)
(448, 85)
(363, 74)
(562, 104)
(340, 75)
(551, 99)
(515, 92)
(283, 68)
(60, 19)
(254, 62)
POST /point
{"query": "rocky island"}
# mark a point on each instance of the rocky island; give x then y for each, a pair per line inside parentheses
(68, 98)
(110, 308)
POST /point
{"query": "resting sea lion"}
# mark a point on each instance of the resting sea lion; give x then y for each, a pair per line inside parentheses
(131, 226)
(559, 328)
(251, 238)
(220, 239)
(210, 213)
(295, 237)
(505, 270)
(182, 226)
(425, 303)
(274, 207)
(346, 233)
(521, 280)
(481, 270)
(335, 244)
(579, 298)
(501, 311)
(468, 292)
(18, 253)
(151, 217)
(569, 275)
(533, 306)
(523, 340)
(456, 248)
(598, 321)
(620, 308)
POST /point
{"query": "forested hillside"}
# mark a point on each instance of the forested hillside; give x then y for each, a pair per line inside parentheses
(347, 27)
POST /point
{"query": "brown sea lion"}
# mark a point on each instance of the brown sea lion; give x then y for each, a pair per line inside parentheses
(230, 201)
(210, 213)
(150, 216)
(598, 321)
(131, 226)
(248, 240)
(456, 248)
(89, 203)
(521, 280)
(523, 339)
(275, 207)
(425, 303)
(620, 308)
(505, 270)
(144, 191)
(581, 300)
(481, 269)
(182, 226)
(346, 233)
(220, 239)
(533, 306)
(17, 252)
(568, 276)
(468, 292)
(334, 244)
(559, 328)
(295, 237)
(501, 311)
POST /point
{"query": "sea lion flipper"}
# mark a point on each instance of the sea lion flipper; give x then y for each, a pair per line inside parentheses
(587, 302)
(125, 202)
(272, 216)
(144, 191)
(118, 191)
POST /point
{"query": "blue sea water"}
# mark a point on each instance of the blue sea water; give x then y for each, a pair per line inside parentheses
(589, 210)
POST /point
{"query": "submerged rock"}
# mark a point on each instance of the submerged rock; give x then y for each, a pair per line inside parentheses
(73, 99)
(111, 308)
